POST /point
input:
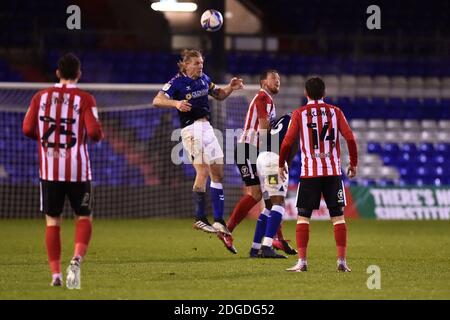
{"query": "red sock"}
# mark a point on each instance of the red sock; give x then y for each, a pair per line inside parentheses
(340, 235)
(302, 234)
(280, 233)
(83, 231)
(53, 244)
(240, 211)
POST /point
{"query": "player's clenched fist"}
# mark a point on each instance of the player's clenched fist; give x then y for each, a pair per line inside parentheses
(236, 83)
(183, 106)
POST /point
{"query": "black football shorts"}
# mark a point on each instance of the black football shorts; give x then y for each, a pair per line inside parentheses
(310, 191)
(53, 195)
(245, 156)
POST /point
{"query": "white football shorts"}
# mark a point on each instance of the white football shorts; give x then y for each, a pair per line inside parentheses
(201, 143)
(267, 169)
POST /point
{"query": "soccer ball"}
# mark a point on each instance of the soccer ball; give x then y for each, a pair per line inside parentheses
(211, 20)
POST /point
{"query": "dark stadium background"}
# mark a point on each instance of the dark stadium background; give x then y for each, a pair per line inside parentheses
(393, 85)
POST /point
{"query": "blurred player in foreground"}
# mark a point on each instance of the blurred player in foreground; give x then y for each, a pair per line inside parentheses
(317, 125)
(61, 118)
(188, 92)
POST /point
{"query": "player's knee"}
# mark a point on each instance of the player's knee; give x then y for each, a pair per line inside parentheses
(303, 212)
(52, 220)
(84, 217)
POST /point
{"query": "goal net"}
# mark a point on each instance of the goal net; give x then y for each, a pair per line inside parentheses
(133, 171)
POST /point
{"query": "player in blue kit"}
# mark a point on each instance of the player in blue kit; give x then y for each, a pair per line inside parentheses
(188, 92)
(274, 191)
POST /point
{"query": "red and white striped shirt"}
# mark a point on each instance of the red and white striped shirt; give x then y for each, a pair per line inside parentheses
(261, 106)
(318, 125)
(60, 119)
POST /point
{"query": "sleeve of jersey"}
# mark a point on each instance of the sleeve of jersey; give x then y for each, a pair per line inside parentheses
(289, 139)
(93, 126)
(347, 133)
(169, 89)
(30, 127)
(213, 89)
(261, 108)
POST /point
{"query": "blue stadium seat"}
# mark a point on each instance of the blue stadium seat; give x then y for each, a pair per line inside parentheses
(427, 148)
(438, 158)
(408, 147)
(443, 148)
(391, 148)
(374, 147)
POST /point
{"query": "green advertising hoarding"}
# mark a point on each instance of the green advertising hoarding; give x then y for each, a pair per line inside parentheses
(400, 203)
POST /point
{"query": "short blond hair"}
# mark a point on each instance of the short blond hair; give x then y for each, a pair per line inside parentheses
(186, 55)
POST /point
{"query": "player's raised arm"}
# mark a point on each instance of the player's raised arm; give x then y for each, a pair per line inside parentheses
(347, 133)
(29, 126)
(222, 93)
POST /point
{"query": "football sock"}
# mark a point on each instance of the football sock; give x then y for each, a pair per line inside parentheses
(340, 235)
(302, 236)
(53, 244)
(199, 202)
(260, 228)
(83, 231)
(273, 222)
(280, 232)
(217, 199)
(240, 211)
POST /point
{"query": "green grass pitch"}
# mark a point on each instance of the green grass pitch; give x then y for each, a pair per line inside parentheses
(167, 259)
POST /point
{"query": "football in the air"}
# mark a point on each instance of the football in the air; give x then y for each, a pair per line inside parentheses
(211, 20)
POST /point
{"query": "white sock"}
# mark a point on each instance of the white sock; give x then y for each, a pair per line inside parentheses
(256, 246)
(216, 185)
(267, 242)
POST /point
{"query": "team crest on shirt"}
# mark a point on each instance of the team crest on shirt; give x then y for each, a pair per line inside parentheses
(188, 96)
